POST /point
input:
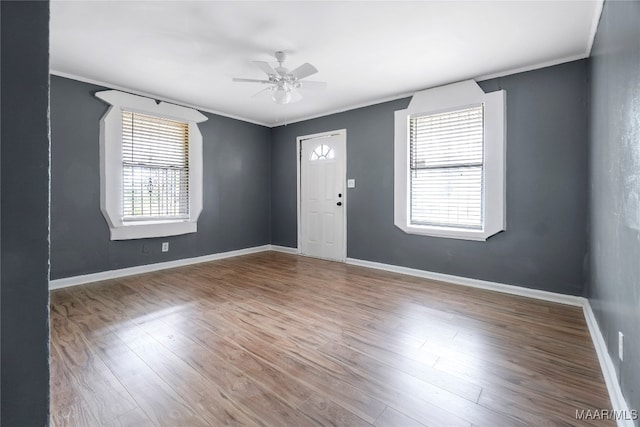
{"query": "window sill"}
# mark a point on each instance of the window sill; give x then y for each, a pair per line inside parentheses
(148, 229)
(448, 232)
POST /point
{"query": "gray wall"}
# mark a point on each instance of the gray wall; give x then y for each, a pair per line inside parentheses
(544, 246)
(237, 164)
(24, 214)
(615, 187)
(250, 194)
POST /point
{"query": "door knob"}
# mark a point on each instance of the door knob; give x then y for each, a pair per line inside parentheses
(339, 203)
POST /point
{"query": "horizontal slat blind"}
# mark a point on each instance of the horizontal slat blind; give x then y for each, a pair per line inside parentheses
(155, 167)
(446, 168)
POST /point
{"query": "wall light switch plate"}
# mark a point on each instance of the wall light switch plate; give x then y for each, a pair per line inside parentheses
(351, 183)
(620, 345)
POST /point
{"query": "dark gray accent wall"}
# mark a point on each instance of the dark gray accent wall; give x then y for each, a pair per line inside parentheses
(237, 165)
(24, 214)
(545, 244)
(615, 187)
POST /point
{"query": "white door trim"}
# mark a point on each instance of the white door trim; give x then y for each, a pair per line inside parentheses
(340, 132)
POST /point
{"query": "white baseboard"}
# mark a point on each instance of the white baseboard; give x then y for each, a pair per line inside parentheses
(618, 403)
(606, 364)
(284, 249)
(474, 283)
(113, 274)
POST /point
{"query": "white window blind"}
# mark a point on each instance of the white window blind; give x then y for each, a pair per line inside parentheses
(155, 168)
(446, 169)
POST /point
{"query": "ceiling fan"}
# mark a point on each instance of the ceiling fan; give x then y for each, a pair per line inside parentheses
(284, 84)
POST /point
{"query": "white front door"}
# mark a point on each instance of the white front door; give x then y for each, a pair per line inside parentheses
(322, 196)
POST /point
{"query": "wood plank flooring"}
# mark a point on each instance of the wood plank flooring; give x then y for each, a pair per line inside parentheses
(273, 339)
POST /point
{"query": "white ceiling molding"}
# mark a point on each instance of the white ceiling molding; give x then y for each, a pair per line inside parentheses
(530, 67)
(152, 96)
(187, 52)
(597, 14)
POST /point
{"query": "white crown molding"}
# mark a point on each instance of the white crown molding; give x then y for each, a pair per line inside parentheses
(376, 101)
(329, 112)
(152, 96)
(597, 14)
(345, 109)
(532, 67)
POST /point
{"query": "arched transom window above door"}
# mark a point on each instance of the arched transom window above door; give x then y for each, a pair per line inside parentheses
(322, 152)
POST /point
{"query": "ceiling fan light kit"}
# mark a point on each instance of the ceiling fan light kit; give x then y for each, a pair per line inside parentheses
(284, 84)
(281, 95)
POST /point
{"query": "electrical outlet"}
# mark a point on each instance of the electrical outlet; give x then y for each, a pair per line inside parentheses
(165, 246)
(620, 346)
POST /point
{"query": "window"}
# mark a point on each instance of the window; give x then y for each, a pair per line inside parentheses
(151, 167)
(449, 163)
(155, 168)
(446, 156)
(322, 152)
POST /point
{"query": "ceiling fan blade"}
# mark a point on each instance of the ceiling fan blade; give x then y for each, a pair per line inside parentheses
(263, 92)
(303, 71)
(266, 67)
(250, 80)
(312, 85)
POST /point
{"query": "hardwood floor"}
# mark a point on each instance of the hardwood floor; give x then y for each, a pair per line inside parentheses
(272, 339)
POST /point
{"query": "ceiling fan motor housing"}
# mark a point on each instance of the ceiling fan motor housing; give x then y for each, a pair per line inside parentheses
(280, 56)
(283, 81)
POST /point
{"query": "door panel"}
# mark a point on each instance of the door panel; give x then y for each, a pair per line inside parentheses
(322, 197)
(329, 229)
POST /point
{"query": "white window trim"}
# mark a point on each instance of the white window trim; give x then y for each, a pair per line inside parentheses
(447, 98)
(111, 166)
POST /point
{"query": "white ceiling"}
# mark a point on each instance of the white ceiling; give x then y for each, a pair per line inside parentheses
(187, 52)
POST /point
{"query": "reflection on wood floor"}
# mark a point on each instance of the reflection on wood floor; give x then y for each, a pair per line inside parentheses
(272, 339)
